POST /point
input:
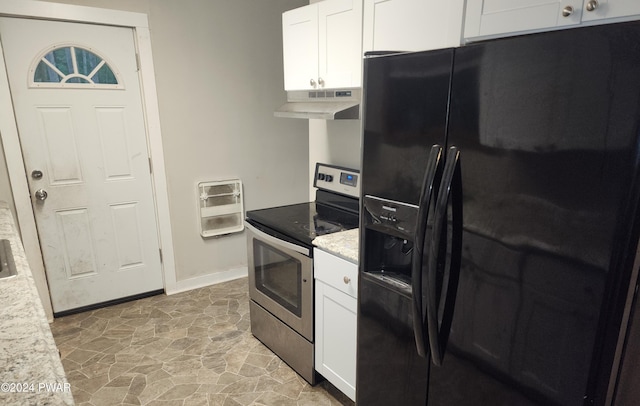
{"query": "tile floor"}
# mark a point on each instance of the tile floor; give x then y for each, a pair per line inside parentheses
(193, 348)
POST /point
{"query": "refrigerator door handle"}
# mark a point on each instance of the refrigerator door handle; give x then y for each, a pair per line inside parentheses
(441, 303)
(434, 162)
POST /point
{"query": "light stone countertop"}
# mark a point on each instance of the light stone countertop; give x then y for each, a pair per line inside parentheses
(31, 372)
(343, 244)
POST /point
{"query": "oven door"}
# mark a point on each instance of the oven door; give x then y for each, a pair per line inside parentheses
(281, 279)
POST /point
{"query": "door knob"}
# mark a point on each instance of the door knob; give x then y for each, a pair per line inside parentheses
(312, 83)
(567, 11)
(41, 194)
(592, 5)
(321, 82)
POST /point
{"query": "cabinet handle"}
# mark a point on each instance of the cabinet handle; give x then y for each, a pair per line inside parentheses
(567, 11)
(312, 83)
(592, 5)
(321, 82)
(346, 280)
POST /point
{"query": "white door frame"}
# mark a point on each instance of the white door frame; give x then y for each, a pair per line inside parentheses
(11, 142)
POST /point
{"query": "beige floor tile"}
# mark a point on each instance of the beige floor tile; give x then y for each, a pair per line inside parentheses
(189, 349)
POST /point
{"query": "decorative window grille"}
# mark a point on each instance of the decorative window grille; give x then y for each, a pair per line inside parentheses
(220, 207)
(73, 66)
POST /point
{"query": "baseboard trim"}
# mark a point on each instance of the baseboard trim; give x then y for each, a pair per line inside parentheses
(207, 280)
(107, 303)
(181, 286)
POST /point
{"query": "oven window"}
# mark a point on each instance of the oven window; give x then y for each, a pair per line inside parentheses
(278, 276)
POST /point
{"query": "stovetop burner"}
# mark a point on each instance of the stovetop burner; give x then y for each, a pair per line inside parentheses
(304, 221)
(335, 209)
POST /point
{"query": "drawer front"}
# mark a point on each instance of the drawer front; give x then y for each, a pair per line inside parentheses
(336, 272)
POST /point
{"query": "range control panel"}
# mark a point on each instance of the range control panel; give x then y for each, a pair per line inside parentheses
(337, 179)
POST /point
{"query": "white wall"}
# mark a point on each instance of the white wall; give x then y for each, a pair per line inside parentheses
(219, 75)
(219, 78)
(335, 142)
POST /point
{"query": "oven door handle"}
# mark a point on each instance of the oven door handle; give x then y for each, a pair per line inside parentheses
(278, 242)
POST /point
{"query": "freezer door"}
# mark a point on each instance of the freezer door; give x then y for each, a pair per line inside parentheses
(405, 114)
(405, 117)
(547, 127)
(389, 369)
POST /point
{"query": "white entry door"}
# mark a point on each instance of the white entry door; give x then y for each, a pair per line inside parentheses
(78, 107)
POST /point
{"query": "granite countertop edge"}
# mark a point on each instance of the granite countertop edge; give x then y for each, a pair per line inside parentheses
(343, 244)
(29, 357)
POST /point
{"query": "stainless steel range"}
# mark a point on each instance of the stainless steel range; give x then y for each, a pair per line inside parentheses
(280, 256)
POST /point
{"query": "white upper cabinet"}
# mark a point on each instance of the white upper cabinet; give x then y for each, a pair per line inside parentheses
(604, 9)
(489, 17)
(412, 25)
(322, 45)
(340, 43)
(300, 47)
(492, 18)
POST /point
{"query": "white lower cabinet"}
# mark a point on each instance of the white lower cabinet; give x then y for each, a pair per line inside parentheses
(336, 320)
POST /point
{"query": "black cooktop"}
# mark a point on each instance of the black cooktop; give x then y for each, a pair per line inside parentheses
(305, 221)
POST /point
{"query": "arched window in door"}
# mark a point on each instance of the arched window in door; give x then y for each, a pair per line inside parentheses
(73, 66)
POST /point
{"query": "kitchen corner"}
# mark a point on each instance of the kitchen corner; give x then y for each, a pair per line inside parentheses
(31, 370)
(343, 244)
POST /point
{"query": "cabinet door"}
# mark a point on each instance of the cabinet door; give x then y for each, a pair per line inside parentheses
(411, 25)
(300, 47)
(335, 348)
(340, 43)
(489, 17)
(594, 10)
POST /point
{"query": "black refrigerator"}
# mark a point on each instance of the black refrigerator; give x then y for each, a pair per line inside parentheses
(499, 221)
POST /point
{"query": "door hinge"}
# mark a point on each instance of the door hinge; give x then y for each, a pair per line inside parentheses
(160, 251)
(138, 62)
(150, 166)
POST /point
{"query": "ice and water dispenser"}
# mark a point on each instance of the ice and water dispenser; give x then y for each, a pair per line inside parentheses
(388, 235)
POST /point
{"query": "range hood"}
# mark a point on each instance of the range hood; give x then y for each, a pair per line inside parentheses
(325, 104)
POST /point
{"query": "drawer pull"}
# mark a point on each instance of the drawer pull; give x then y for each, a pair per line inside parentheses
(346, 280)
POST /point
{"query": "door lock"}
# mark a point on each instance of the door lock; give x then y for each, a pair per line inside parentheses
(36, 174)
